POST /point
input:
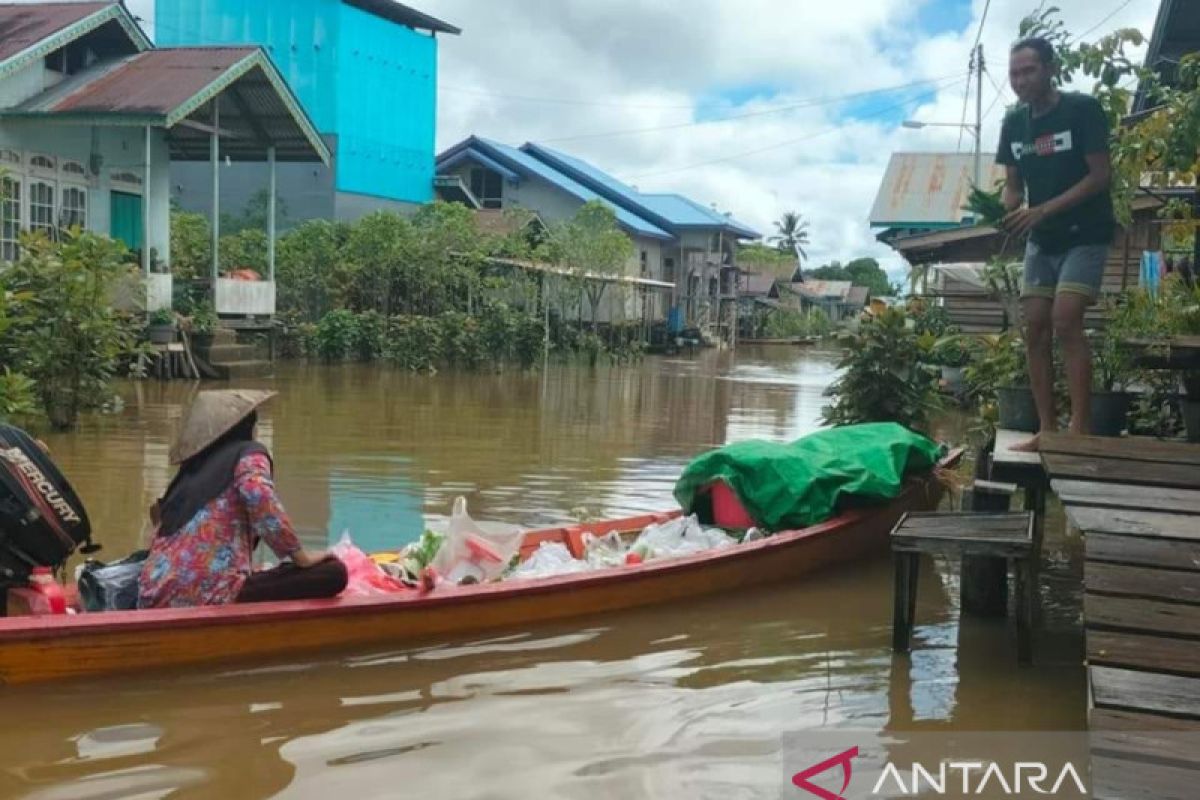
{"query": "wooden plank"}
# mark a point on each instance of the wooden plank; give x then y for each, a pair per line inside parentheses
(1170, 695)
(1125, 779)
(1139, 651)
(1004, 454)
(1142, 616)
(1121, 471)
(1134, 523)
(1115, 495)
(1142, 582)
(1133, 448)
(1109, 719)
(1137, 551)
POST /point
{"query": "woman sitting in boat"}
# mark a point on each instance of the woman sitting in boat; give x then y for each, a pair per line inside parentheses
(216, 510)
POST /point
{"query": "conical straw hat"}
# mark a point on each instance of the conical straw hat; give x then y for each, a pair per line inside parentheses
(212, 414)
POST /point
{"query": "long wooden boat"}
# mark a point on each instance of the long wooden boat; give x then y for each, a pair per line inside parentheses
(46, 648)
(801, 341)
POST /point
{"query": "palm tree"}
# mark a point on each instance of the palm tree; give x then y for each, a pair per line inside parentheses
(792, 234)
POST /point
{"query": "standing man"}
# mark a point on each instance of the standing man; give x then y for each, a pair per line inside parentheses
(1054, 146)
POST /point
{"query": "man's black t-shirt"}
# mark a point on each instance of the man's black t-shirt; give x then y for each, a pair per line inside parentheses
(1049, 151)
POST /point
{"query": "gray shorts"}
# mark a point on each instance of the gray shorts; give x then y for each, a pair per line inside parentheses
(1080, 270)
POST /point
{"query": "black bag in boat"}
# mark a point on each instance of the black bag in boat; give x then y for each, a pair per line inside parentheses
(111, 587)
(42, 521)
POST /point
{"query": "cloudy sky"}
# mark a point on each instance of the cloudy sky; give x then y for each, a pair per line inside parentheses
(643, 89)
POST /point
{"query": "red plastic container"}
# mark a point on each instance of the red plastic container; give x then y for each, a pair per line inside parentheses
(728, 511)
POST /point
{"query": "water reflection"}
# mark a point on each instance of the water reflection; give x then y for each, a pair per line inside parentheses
(681, 700)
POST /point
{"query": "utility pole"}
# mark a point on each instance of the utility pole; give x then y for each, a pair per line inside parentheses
(978, 59)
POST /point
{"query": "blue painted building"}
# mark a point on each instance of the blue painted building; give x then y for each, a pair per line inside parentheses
(366, 73)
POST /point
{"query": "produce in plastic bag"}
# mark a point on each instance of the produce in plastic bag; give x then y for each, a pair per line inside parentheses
(604, 551)
(472, 555)
(681, 536)
(110, 587)
(364, 576)
(551, 558)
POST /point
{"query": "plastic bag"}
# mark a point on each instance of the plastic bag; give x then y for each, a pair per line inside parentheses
(551, 558)
(604, 551)
(472, 554)
(681, 536)
(364, 576)
(110, 587)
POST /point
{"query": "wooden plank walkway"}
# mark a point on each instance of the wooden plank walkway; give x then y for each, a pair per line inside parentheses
(1137, 503)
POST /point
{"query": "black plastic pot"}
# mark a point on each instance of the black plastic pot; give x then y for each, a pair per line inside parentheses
(202, 343)
(1191, 419)
(161, 334)
(1017, 409)
(1110, 413)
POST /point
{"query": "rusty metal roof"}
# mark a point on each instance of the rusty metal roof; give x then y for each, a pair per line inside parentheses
(858, 296)
(23, 25)
(497, 222)
(930, 189)
(175, 88)
(753, 285)
(823, 290)
(154, 82)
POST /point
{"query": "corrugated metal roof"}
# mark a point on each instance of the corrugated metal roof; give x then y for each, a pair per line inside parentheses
(24, 25)
(823, 290)
(756, 285)
(858, 296)
(523, 162)
(504, 222)
(672, 210)
(174, 88)
(403, 15)
(154, 82)
(929, 188)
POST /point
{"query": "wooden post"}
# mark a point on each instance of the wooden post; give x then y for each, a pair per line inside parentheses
(985, 578)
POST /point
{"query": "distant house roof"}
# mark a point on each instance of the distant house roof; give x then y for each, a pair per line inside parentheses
(518, 163)
(858, 296)
(403, 15)
(672, 211)
(756, 285)
(504, 223)
(823, 290)
(929, 189)
(32, 31)
(166, 87)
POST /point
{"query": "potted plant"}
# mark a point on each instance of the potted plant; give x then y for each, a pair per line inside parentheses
(1113, 372)
(952, 354)
(203, 328)
(160, 326)
(997, 375)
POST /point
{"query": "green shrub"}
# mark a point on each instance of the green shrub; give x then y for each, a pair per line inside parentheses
(414, 343)
(367, 337)
(335, 334)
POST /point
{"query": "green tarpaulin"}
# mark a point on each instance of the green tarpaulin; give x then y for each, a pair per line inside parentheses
(802, 483)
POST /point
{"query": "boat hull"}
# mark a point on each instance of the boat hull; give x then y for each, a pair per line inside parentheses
(34, 649)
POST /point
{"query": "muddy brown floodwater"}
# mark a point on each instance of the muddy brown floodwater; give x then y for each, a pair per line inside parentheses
(686, 700)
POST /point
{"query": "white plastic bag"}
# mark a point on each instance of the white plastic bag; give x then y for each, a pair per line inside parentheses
(681, 536)
(471, 552)
(551, 558)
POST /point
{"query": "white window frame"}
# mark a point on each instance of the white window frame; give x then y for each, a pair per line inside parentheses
(79, 214)
(49, 226)
(128, 182)
(35, 170)
(10, 248)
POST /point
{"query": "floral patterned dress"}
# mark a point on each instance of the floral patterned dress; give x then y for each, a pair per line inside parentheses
(206, 562)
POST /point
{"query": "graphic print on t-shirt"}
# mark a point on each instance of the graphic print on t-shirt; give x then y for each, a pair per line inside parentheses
(1046, 145)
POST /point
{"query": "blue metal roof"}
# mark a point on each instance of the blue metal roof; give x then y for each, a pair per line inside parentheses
(671, 211)
(526, 164)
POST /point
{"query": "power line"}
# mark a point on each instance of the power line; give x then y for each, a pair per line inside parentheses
(562, 100)
(877, 113)
(999, 94)
(1111, 14)
(982, 20)
(810, 103)
(975, 67)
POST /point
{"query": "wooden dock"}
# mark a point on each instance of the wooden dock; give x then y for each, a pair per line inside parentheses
(1137, 502)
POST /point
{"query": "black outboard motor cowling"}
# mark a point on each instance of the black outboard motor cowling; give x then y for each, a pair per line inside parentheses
(42, 521)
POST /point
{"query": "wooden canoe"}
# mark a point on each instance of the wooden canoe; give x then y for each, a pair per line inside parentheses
(46, 648)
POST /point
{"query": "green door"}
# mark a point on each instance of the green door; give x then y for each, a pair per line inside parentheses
(126, 220)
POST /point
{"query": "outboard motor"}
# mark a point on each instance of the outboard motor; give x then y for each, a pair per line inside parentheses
(42, 521)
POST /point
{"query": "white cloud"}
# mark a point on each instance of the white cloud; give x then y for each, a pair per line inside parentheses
(644, 58)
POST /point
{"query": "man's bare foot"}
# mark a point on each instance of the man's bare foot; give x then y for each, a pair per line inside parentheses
(1030, 446)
